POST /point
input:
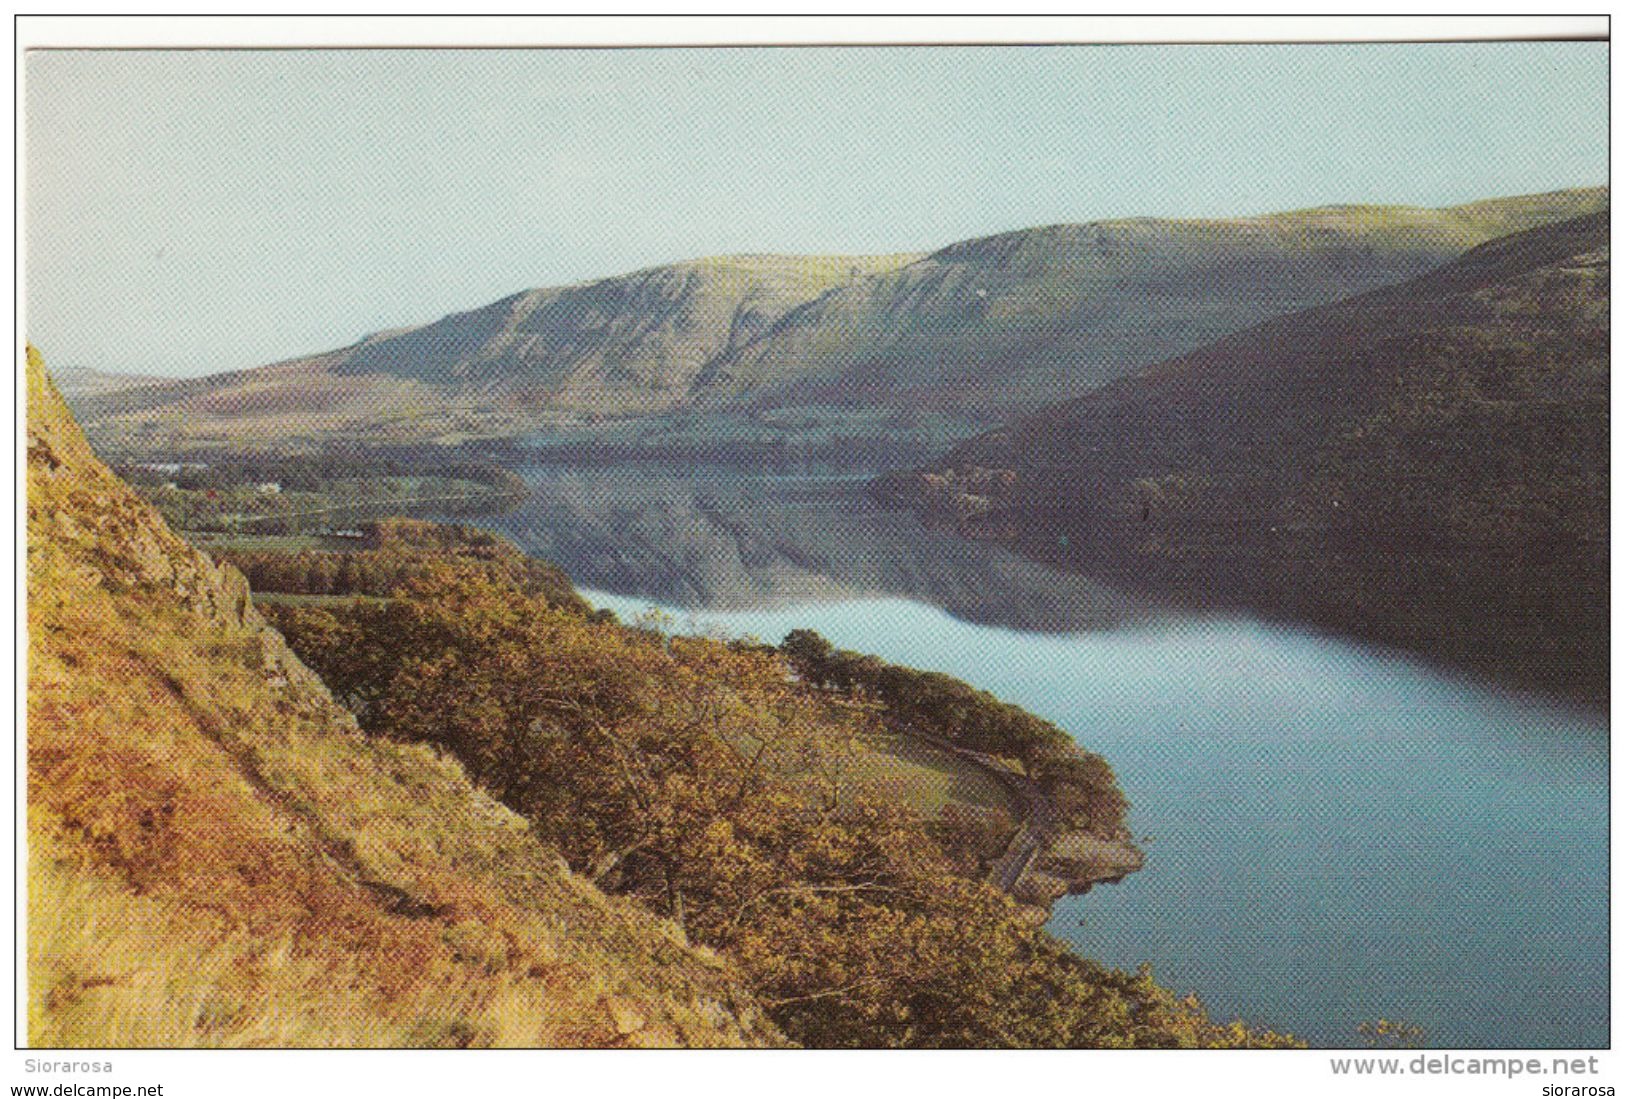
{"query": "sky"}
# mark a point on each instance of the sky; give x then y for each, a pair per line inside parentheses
(193, 211)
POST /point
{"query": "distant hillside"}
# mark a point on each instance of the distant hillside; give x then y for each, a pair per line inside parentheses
(1425, 465)
(218, 856)
(881, 347)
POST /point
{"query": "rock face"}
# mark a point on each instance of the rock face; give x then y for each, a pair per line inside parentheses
(1076, 862)
(219, 857)
(972, 334)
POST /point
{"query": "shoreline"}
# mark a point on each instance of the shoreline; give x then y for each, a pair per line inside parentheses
(1033, 869)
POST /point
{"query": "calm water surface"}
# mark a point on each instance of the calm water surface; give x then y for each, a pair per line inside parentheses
(1333, 833)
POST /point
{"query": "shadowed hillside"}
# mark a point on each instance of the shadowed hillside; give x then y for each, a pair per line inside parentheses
(1425, 465)
(218, 856)
(826, 347)
(85, 382)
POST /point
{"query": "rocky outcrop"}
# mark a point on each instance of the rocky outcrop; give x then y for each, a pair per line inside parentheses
(1044, 861)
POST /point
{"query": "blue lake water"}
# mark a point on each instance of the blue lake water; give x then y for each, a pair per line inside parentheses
(1333, 833)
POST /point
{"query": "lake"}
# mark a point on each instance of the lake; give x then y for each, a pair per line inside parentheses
(1333, 833)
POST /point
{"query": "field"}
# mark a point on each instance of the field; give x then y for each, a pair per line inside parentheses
(929, 779)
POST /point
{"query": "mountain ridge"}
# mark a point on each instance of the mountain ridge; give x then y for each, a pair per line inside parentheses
(1423, 465)
(972, 333)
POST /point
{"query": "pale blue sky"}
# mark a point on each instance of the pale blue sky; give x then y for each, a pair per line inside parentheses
(197, 211)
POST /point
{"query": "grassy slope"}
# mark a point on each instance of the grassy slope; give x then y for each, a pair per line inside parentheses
(1005, 323)
(218, 857)
(974, 333)
(1426, 464)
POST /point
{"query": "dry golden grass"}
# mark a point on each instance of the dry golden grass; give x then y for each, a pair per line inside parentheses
(218, 857)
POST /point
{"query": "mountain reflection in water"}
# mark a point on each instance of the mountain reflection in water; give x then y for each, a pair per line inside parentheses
(720, 539)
